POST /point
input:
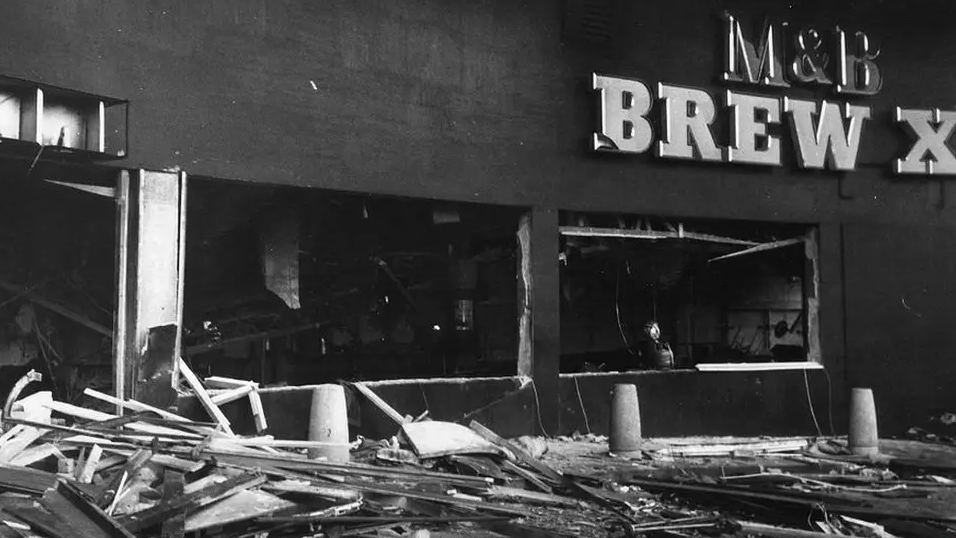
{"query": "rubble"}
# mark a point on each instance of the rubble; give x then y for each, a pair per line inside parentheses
(68, 471)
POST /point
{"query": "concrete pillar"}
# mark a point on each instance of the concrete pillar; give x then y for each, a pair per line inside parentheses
(151, 226)
(539, 320)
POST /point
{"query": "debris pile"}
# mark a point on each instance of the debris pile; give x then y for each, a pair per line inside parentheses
(68, 471)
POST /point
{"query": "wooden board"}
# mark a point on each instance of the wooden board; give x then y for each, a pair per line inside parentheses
(133, 405)
(12, 447)
(173, 486)
(204, 397)
(35, 454)
(381, 404)
(516, 452)
(90, 414)
(84, 472)
(434, 439)
(242, 506)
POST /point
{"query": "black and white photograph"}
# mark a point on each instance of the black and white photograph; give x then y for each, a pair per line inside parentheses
(477, 268)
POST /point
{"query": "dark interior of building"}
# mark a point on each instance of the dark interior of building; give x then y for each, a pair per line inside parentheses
(57, 248)
(746, 307)
(303, 286)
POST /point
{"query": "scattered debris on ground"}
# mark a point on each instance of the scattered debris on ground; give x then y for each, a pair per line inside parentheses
(69, 472)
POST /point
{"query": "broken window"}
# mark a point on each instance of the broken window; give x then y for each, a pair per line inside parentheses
(300, 286)
(641, 293)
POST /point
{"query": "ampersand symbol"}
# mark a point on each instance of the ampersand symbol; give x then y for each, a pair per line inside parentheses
(810, 63)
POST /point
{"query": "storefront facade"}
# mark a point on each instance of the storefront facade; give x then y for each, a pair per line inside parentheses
(525, 105)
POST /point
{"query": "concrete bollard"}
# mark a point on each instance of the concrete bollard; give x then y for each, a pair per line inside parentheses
(329, 423)
(625, 432)
(864, 439)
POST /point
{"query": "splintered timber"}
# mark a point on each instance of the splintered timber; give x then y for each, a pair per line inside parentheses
(826, 135)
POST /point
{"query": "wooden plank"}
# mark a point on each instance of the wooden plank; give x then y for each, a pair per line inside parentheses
(154, 516)
(306, 487)
(531, 497)
(35, 454)
(13, 447)
(528, 476)
(90, 512)
(232, 395)
(435, 439)
(242, 506)
(354, 469)
(389, 411)
(133, 405)
(11, 433)
(204, 397)
(219, 382)
(258, 413)
(173, 487)
(90, 414)
(382, 489)
(284, 443)
(113, 489)
(84, 473)
(25, 480)
(517, 451)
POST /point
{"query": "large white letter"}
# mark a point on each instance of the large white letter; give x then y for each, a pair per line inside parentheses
(688, 113)
(624, 103)
(930, 142)
(828, 143)
(749, 140)
(750, 62)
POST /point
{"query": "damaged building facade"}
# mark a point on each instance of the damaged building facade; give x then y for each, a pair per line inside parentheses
(493, 210)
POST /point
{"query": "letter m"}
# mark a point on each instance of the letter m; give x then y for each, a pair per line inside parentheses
(753, 63)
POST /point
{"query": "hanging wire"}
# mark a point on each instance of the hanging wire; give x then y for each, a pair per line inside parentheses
(581, 401)
(813, 414)
(617, 309)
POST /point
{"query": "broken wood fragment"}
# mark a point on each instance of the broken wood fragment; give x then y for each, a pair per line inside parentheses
(519, 453)
(759, 529)
(84, 472)
(204, 397)
(219, 382)
(306, 487)
(113, 489)
(92, 513)
(433, 439)
(12, 447)
(530, 477)
(173, 485)
(133, 405)
(35, 454)
(389, 411)
(25, 480)
(533, 497)
(154, 516)
(242, 506)
(258, 413)
(98, 416)
(232, 395)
